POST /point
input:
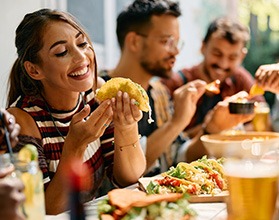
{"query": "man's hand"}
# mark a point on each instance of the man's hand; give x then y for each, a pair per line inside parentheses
(220, 119)
(267, 76)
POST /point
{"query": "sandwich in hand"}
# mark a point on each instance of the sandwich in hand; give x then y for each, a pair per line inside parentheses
(129, 204)
(134, 90)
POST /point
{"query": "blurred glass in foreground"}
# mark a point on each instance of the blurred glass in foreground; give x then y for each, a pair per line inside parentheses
(27, 169)
(261, 121)
(253, 189)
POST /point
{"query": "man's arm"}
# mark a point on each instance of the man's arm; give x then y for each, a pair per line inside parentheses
(185, 99)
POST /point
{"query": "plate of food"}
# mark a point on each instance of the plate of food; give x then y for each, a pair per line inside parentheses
(203, 180)
(130, 204)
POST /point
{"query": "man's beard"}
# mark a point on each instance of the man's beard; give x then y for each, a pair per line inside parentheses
(156, 69)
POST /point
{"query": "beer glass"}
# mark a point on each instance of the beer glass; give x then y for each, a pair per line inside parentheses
(261, 120)
(253, 187)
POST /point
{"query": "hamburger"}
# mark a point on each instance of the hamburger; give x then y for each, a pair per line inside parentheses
(129, 204)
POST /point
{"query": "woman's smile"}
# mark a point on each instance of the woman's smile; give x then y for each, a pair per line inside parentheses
(80, 74)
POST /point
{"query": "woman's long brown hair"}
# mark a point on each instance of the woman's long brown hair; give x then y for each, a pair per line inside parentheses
(28, 41)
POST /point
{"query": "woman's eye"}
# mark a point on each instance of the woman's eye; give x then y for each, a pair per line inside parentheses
(83, 45)
(61, 54)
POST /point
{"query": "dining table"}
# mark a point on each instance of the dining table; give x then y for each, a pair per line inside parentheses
(204, 210)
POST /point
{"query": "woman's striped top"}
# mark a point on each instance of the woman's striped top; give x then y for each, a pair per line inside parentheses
(54, 127)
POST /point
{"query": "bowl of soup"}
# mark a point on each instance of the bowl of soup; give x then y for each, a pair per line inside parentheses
(240, 145)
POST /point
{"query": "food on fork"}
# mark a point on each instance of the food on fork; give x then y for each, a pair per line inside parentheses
(129, 204)
(214, 86)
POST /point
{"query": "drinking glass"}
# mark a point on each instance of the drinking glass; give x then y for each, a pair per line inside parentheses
(261, 120)
(31, 176)
(5, 163)
(253, 188)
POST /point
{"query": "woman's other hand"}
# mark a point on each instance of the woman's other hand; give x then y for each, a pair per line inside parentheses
(86, 128)
(125, 111)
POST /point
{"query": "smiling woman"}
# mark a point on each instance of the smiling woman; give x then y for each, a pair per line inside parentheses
(52, 96)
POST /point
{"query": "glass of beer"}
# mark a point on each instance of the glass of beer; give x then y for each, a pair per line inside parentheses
(261, 120)
(253, 187)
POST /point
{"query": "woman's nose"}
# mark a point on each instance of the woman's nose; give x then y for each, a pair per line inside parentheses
(78, 55)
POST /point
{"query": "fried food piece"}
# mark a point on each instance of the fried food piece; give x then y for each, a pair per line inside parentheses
(214, 86)
(125, 199)
(135, 91)
(256, 90)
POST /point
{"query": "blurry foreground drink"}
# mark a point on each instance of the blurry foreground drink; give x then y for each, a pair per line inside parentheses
(261, 119)
(26, 163)
(252, 190)
(31, 176)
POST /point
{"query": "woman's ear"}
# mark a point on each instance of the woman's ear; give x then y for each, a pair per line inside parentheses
(32, 70)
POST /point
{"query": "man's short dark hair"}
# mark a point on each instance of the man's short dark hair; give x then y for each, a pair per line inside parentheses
(229, 29)
(136, 17)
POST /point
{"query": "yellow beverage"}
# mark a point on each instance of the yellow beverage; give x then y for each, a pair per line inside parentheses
(261, 119)
(253, 190)
(27, 166)
(34, 205)
(28, 171)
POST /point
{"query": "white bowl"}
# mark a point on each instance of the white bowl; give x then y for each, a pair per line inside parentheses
(249, 144)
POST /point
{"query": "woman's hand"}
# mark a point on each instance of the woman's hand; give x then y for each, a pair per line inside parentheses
(85, 128)
(129, 159)
(125, 111)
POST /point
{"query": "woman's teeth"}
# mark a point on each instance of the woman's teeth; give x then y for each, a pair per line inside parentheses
(80, 72)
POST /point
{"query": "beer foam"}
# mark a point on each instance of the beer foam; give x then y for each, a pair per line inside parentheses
(251, 169)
